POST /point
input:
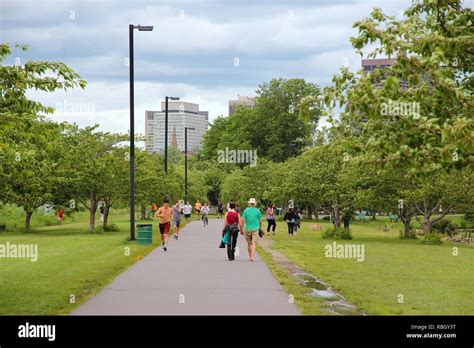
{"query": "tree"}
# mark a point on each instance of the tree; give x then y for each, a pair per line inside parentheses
(428, 125)
(277, 110)
(28, 163)
(83, 168)
(26, 139)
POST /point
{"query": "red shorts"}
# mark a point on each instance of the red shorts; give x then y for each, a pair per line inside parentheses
(165, 228)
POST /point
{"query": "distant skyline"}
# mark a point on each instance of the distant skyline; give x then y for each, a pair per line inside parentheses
(206, 52)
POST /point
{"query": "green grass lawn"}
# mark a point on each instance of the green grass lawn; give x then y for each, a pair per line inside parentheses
(431, 280)
(71, 261)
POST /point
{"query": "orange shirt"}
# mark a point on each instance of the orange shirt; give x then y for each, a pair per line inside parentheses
(198, 206)
(165, 214)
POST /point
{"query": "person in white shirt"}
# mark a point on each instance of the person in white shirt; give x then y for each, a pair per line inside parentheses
(187, 211)
(205, 212)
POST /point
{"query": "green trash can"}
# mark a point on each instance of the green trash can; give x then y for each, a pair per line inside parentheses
(145, 234)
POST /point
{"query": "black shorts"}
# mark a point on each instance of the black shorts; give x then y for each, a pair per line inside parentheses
(187, 215)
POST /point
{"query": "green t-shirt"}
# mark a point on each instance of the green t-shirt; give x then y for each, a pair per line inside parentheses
(252, 218)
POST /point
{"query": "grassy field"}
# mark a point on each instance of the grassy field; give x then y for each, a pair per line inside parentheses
(71, 261)
(431, 279)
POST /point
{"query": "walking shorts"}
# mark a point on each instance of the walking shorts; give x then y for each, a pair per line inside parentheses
(165, 228)
(176, 223)
(251, 237)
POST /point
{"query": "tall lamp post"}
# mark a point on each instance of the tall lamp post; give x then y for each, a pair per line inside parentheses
(132, 125)
(186, 162)
(166, 131)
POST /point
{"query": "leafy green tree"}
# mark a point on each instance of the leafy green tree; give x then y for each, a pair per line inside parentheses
(277, 113)
(428, 125)
(83, 168)
(27, 146)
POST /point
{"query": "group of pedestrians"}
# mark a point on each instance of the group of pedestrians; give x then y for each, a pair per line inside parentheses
(249, 225)
(293, 220)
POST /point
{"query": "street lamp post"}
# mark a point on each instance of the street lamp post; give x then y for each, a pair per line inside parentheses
(186, 162)
(132, 126)
(166, 131)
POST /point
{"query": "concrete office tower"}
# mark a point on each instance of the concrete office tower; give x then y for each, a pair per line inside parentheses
(372, 64)
(180, 114)
(242, 101)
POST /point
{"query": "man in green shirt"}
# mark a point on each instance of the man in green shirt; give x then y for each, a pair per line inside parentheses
(252, 219)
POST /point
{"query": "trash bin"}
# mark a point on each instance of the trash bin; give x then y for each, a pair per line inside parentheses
(145, 233)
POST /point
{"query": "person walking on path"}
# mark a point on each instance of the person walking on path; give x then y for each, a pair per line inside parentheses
(60, 216)
(164, 213)
(102, 213)
(205, 213)
(176, 219)
(290, 218)
(198, 207)
(220, 209)
(297, 223)
(232, 222)
(253, 224)
(187, 211)
(271, 217)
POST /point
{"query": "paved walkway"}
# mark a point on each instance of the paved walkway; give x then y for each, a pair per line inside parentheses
(193, 277)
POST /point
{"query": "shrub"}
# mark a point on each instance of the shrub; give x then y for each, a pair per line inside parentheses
(342, 233)
(328, 233)
(444, 226)
(432, 238)
(469, 217)
(3, 227)
(108, 228)
(326, 218)
(412, 234)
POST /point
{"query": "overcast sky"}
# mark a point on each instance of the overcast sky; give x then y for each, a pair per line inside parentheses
(205, 51)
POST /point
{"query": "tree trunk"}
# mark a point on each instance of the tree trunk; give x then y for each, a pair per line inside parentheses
(28, 220)
(427, 226)
(106, 216)
(374, 213)
(92, 210)
(337, 218)
(143, 212)
(406, 228)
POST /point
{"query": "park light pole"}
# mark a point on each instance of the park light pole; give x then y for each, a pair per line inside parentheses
(166, 131)
(186, 162)
(132, 125)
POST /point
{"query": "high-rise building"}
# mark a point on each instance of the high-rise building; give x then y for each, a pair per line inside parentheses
(372, 64)
(180, 114)
(241, 101)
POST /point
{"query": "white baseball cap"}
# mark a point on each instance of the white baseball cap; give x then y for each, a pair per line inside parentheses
(252, 201)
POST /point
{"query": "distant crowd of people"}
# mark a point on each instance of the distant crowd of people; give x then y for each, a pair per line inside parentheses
(248, 224)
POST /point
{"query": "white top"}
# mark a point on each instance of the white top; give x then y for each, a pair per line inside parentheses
(205, 210)
(187, 209)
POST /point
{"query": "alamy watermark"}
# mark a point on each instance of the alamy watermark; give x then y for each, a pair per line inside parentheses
(345, 251)
(75, 108)
(237, 156)
(400, 108)
(28, 251)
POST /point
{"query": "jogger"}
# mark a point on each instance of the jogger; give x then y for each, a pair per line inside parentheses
(165, 214)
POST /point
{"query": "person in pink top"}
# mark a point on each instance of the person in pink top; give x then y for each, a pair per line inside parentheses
(232, 223)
